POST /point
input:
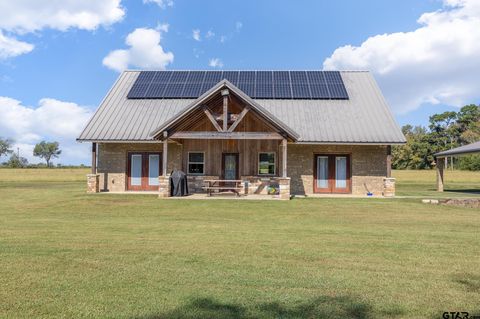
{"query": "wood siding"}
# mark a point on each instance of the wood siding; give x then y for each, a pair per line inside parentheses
(247, 149)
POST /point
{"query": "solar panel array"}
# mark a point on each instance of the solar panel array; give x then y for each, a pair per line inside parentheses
(256, 84)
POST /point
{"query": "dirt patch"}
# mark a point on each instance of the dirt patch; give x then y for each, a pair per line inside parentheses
(471, 203)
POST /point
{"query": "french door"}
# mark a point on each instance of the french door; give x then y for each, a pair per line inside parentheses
(332, 174)
(143, 171)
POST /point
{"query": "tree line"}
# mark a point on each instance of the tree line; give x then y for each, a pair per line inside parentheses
(445, 131)
(44, 150)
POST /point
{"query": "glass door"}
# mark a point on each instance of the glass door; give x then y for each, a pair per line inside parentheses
(322, 181)
(230, 166)
(136, 173)
(332, 174)
(341, 177)
(143, 170)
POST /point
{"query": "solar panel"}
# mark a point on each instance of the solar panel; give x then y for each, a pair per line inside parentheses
(256, 84)
(158, 84)
(315, 78)
(281, 85)
(319, 91)
(298, 77)
(141, 84)
(337, 91)
(333, 77)
(246, 82)
(264, 85)
(193, 85)
(211, 78)
(231, 76)
(176, 84)
(300, 91)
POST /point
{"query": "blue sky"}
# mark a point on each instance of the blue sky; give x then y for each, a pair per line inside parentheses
(59, 65)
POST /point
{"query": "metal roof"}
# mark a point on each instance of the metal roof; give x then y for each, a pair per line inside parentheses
(462, 150)
(364, 118)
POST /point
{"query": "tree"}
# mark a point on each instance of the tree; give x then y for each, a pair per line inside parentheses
(469, 121)
(468, 116)
(416, 153)
(47, 151)
(16, 161)
(444, 131)
(5, 145)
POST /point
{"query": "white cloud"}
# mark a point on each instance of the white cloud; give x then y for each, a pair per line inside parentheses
(439, 62)
(161, 3)
(215, 63)
(145, 52)
(26, 16)
(223, 38)
(163, 27)
(210, 34)
(196, 35)
(23, 16)
(51, 120)
(11, 47)
(238, 26)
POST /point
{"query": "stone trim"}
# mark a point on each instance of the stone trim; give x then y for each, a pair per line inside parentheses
(388, 187)
(93, 183)
(284, 183)
(164, 186)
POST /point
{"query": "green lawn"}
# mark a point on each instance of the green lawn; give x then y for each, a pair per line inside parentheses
(423, 183)
(67, 254)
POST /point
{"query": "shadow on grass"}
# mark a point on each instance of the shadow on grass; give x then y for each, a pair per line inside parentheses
(471, 282)
(475, 191)
(322, 307)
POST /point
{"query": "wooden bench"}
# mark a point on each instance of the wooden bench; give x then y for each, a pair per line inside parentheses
(215, 185)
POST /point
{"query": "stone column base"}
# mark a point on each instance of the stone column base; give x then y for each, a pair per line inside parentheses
(164, 186)
(284, 183)
(93, 183)
(388, 187)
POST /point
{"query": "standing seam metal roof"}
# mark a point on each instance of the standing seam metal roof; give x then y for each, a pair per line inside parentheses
(364, 118)
(462, 150)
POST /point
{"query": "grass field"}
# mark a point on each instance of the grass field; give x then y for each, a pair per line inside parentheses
(67, 254)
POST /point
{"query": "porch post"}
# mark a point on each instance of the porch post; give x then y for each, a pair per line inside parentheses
(389, 161)
(165, 157)
(440, 166)
(284, 157)
(94, 158)
(164, 179)
(93, 179)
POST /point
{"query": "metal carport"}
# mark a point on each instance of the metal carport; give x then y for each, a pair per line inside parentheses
(459, 151)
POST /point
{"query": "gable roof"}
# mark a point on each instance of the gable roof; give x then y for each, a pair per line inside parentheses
(462, 150)
(364, 118)
(216, 89)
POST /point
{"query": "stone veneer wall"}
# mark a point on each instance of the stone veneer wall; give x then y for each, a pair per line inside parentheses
(368, 166)
(93, 183)
(112, 161)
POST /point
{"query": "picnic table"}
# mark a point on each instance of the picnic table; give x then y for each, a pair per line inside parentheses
(218, 185)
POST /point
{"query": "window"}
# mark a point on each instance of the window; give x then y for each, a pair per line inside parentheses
(196, 163)
(266, 163)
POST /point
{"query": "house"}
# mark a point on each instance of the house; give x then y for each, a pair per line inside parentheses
(303, 132)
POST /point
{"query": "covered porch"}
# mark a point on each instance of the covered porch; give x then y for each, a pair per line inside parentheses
(227, 137)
